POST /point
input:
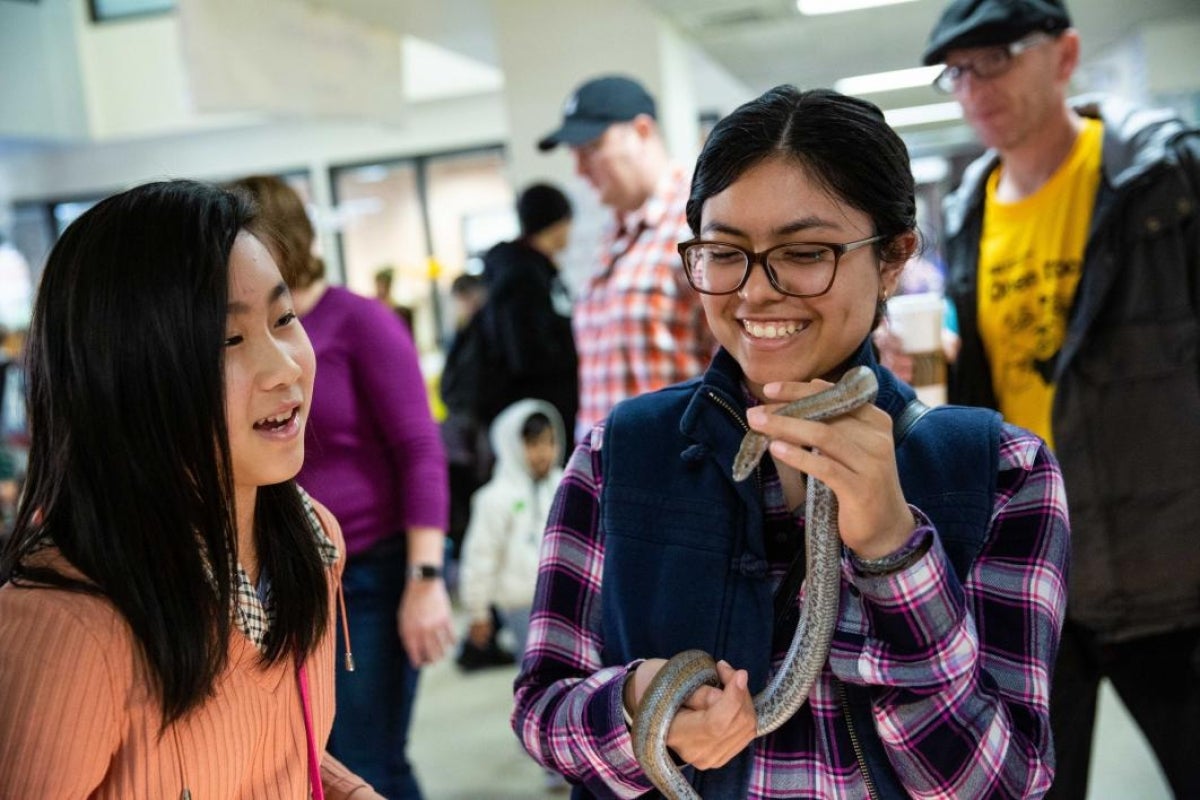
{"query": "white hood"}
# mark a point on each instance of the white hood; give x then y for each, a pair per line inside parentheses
(505, 437)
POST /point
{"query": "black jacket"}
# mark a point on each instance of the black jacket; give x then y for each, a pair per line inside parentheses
(527, 324)
(1126, 410)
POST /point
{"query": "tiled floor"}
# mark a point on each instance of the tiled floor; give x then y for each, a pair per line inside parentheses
(463, 748)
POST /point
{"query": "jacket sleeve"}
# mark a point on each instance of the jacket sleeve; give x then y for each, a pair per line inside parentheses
(567, 710)
(1188, 153)
(518, 320)
(483, 550)
(961, 671)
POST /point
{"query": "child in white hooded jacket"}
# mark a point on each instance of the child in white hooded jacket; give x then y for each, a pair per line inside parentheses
(508, 517)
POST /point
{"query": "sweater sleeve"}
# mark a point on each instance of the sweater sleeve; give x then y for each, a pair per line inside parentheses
(65, 673)
(340, 783)
(392, 387)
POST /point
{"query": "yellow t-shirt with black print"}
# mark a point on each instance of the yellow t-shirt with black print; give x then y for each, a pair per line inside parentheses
(1030, 260)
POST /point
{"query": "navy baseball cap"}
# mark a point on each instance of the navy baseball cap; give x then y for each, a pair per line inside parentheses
(983, 23)
(595, 105)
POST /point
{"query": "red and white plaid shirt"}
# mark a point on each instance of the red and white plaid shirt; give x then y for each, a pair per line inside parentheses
(638, 325)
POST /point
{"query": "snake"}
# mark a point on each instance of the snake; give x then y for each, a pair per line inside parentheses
(789, 688)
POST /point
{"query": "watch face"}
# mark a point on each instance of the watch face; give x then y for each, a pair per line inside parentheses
(425, 571)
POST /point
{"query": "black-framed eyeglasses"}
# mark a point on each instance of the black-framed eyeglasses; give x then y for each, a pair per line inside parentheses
(987, 62)
(797, 269)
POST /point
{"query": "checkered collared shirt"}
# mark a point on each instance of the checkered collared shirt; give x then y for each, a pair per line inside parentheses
(638, 325)
(255, 612)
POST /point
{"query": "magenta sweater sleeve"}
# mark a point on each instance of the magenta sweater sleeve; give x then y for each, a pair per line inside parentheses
(373, 455)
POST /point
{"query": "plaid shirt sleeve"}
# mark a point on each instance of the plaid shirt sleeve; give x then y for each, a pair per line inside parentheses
(568, 706)
(966, 666)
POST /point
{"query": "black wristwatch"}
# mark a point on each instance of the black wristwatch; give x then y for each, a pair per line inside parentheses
(424, 572)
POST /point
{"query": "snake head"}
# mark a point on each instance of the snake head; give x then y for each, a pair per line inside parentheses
(754, 445)
(857, 387)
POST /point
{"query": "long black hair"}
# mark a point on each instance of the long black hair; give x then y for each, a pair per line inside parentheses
(844, 143)
(129, 466)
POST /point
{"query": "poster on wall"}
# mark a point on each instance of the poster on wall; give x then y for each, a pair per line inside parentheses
(290, 59)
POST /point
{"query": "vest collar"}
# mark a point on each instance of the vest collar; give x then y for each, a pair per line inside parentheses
(724, 379)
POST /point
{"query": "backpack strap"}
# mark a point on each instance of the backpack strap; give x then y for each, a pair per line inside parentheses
(910, 415)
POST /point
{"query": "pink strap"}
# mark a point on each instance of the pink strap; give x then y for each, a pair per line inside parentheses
(314, 763)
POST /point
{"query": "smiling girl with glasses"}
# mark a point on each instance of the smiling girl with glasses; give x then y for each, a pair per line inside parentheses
(953, 527)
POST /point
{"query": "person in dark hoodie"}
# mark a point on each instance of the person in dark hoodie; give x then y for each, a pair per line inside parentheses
(527, 318)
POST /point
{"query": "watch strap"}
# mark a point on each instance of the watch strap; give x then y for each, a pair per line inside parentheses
(424, 572)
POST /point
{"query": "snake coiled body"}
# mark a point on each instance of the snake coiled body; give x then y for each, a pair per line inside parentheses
(791, 684)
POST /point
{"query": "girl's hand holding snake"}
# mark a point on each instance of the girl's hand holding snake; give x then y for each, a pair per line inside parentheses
(714, 725)
(855, 457)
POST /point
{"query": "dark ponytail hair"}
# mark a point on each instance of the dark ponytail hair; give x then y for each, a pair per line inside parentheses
(842, 141)
(129, 466)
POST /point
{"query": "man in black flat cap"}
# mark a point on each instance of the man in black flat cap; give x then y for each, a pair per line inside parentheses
(1073, 253)
(638, 326)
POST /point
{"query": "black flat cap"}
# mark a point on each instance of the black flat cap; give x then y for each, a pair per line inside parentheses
(982, 23)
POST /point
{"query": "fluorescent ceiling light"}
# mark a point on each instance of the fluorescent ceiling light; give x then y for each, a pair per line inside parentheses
(814, 7)
(929, 169)
(887, 81)
(919, 115)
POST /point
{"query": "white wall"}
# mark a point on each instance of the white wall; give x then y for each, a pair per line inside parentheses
(105, 167)
(41, 96)
(1172, 52)
(134, 79)
(108, 166)
(548, 47)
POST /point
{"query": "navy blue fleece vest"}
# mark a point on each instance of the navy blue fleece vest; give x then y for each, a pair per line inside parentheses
(685, 562)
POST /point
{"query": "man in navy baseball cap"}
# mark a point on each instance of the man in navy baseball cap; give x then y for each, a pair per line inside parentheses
(637, 324)
(595, 105)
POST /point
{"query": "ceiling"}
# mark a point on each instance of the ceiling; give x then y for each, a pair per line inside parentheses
(766, 42)
(762, 43)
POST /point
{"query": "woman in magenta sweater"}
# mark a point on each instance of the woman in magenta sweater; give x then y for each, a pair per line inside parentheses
(374, 457)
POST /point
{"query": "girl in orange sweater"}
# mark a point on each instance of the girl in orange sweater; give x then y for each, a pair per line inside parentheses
(166, 628)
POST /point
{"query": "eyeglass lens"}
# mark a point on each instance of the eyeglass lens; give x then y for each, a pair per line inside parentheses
(796, 269)
(989, 62)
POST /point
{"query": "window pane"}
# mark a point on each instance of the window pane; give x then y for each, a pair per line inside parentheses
(470, 209)
(301, 184)
(66, 213)
(33, 235)
(381, 226)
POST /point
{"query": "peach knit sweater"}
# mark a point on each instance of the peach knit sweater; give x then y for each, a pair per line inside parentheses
(78, 720)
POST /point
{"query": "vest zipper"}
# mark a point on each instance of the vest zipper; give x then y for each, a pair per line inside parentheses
(859, 758)
(732, 412)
